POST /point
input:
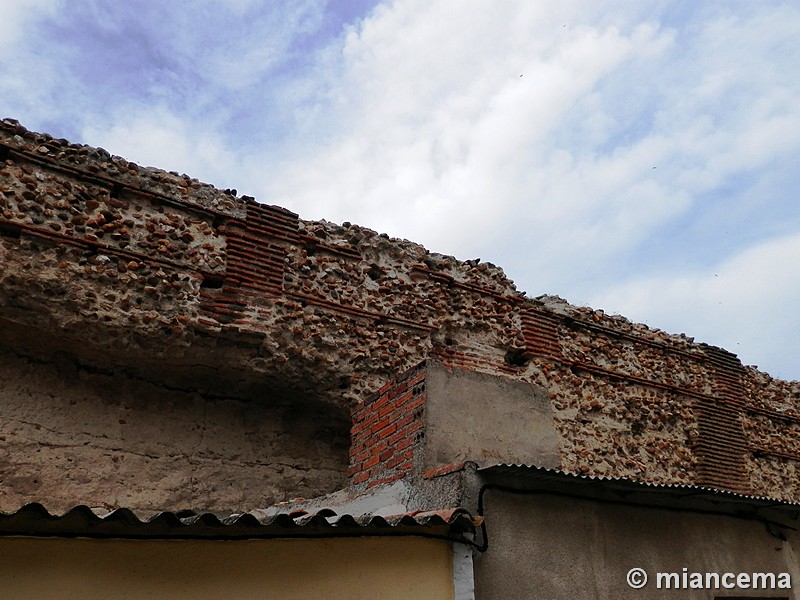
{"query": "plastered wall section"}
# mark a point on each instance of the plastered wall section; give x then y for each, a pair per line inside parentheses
(352, 569)
(160, 270)
(433, 418)
(547, 546)
(487, 419)
(71, 435)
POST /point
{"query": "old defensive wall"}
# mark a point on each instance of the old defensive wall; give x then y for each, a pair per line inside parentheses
(165, 343)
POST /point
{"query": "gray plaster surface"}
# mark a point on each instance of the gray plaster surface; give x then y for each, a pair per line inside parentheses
(559, 548)
(487, 419)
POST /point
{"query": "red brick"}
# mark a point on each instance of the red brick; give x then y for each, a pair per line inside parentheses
(380, 403)
(405, 420)
(371, 418)
(358, 427)
(413, 427)
(404, 435)
(360, 478)
(379, 425)
(397, 459)
(404, 398)
(413, 372)
(373, 439)
(386, 454)
(360, 438)
(363, 428)
(361, 456)
(387, 431)
(415, 403)
(371, 461)
(397, 390)
(385, 388)
(443, 470)
(397, 437)
(388, 409)
(394, 461)
(405, 466)
(356, 449)
(418, 378)
(394, 477)
(385, 480)
(403, 444)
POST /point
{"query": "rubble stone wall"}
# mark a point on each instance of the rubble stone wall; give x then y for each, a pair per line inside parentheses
(130, 266)
(771, 422)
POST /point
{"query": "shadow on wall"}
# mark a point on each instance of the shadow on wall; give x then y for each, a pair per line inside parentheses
(75, 433)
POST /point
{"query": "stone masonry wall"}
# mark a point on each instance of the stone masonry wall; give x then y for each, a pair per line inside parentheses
(122, 265)
(771, 422)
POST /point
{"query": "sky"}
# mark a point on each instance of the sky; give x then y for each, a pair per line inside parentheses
(636, 157)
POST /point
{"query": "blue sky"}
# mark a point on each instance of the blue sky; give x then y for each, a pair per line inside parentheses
(635, 157)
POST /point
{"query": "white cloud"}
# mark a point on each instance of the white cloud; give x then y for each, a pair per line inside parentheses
(154, 136)
(744, 304)
(25, 75)
(18, 16)
(240, 43)
(444, 108)
(434, 125)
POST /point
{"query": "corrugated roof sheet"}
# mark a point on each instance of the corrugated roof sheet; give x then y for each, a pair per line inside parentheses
(533, 473)
(81, 521)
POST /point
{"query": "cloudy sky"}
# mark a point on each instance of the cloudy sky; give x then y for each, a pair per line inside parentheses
(639, 157)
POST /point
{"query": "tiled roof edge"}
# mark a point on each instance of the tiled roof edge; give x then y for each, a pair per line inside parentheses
(81, 521)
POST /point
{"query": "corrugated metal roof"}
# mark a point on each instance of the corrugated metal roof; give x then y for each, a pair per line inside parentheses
(81, 521)
(533, 473)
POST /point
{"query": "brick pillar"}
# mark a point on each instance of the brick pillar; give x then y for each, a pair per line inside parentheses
(434, 418)
(388, 429)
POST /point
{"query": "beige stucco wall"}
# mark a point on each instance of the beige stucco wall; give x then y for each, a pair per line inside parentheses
(487, 419)
(346, 568)
(70, 434)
